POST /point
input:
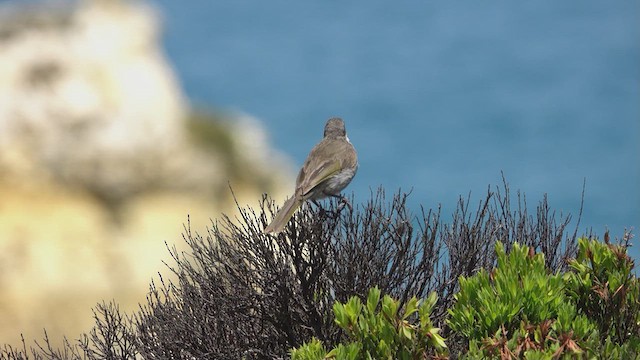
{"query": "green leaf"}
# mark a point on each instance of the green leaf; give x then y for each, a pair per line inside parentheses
(383, 348)
(425, 309)
(411, 307)
(341, 316)
(389, 307)
(436, 340)
(373, 299)
(353, 309)
(406, 330)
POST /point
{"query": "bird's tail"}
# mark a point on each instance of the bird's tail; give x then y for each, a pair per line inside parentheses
(284, 214)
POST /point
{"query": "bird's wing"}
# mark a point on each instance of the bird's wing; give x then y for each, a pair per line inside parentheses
(318, 168)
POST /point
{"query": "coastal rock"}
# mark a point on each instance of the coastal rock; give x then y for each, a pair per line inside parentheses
(100, 163)
(88, 99)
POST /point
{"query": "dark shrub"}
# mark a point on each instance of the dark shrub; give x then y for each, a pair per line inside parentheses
(242, 294)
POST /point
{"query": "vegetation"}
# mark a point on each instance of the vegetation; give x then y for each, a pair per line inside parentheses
(379, 281)
(604, 287)
(380, 330)
(519, 310)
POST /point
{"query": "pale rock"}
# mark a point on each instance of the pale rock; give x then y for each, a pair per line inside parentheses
(93, 102)
(97, 170)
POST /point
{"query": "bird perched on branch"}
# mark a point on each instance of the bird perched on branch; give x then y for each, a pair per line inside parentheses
(329, 168)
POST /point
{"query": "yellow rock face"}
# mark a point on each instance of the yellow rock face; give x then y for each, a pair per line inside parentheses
(62, 252)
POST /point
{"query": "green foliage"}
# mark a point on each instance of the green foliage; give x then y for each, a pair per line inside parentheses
(603, 286)
(519, 310)
(381, 329)
(310, 351)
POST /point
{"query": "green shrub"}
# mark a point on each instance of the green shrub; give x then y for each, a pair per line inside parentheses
(519, 310)
(381, 330)
(312, 350)
(603, 286)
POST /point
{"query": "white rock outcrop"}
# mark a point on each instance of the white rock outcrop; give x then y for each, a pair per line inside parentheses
(87, 98)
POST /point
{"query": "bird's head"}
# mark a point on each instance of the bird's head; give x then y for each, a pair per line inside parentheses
(335, 128)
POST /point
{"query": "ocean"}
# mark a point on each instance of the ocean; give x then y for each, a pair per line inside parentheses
(439, 98)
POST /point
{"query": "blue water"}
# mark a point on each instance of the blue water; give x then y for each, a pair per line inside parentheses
(437, 97)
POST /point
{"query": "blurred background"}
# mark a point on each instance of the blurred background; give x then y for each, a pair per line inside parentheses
(119, 118)
(437, 98)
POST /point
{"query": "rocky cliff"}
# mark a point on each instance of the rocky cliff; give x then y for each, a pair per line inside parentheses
(101, 161)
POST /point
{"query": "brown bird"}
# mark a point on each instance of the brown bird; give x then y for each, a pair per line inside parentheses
(329, 168)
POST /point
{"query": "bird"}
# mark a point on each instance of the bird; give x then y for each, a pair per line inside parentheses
(328, 169)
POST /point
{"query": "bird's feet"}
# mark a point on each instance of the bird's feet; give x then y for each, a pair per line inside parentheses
(344, 202)
(317, 204)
